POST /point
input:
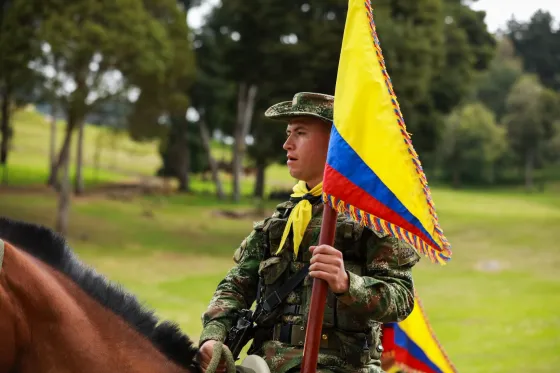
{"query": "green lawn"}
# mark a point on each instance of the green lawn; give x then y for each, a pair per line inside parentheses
(119, 158)
(494, 307)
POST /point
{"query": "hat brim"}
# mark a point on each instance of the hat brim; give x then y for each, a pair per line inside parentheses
(285, 111)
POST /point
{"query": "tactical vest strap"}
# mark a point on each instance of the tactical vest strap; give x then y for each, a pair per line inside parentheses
(274, 299)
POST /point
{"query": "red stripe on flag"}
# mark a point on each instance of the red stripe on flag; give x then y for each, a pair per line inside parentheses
(351, 194)
(402, 356)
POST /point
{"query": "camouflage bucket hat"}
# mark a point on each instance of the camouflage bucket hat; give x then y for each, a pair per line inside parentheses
(307, 104)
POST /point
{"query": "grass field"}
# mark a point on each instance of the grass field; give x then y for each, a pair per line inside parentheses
(494, 307)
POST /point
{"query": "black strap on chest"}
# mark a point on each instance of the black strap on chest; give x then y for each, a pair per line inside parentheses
(247, 321)
(274, 299)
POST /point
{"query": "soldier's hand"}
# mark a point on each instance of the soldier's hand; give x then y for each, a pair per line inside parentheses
(327, 264)
(205, 355)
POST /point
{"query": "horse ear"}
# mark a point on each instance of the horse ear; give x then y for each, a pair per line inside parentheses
(171, 341)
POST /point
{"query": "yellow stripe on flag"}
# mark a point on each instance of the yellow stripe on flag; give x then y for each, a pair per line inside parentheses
(417, 328)
(366, 116)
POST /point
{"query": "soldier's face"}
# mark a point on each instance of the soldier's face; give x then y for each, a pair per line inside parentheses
(306, 145)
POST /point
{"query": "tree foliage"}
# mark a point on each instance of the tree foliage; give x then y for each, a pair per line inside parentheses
(164, 91)
(472, 142)
(537, 42)
(493, 85)
(526, 123)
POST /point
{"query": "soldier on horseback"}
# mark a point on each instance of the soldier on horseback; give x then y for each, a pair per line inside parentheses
(368, 272)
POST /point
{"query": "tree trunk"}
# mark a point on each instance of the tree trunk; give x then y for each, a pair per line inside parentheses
(76, 111)
(184, 163)
(259, 178)
(52, 149)
(456, 178)
(529, 167)
(205, 136)
(5, 130)
(245, 109)
(63, 199)
(79, 178)
(64, 151)
(184, 180)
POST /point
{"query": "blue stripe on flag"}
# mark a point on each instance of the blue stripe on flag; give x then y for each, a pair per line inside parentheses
(348, 163)
(402, 340)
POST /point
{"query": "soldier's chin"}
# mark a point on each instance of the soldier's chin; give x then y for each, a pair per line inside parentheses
(293, 172)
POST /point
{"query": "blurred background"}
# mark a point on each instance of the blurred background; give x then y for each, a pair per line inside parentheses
(136, 128)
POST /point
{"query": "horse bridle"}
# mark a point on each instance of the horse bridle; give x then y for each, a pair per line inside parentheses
(1, 254)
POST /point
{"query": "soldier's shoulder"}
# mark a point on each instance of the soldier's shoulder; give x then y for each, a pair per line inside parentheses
(383, 244)
(251, 244)
(282, 207)
(351, 226)
(397, 251)
(279, 212)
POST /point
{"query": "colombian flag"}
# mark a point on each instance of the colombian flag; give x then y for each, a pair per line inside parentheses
(412, 346)
(373, 173)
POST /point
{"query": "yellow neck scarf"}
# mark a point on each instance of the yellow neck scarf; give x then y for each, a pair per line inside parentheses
(301, 214)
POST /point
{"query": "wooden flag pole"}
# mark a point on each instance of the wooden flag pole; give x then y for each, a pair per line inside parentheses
(318, 298)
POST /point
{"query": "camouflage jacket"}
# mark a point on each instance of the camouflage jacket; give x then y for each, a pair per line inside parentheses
(381, 290)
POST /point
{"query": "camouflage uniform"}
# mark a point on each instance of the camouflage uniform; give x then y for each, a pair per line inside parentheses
(381, 290)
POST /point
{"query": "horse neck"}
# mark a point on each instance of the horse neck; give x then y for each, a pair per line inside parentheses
(54, 323)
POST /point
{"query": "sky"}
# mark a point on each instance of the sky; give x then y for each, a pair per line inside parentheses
(498, 12)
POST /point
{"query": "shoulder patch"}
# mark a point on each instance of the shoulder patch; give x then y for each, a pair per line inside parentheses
(406, 254)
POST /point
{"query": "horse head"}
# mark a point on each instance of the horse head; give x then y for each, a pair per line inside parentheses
(57, 314)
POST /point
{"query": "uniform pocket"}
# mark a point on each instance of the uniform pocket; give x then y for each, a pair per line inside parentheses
(354, 348)
(272, 269)
(275, 229)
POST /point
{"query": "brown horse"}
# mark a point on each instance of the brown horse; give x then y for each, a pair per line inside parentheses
(58, 315)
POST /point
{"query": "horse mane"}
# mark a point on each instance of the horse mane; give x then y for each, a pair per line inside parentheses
(51, 248)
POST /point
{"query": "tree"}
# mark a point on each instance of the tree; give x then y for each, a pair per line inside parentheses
(525, 123)
(182, 152)
(550, 104)
(267, 148)
(493, 85)
(468, 49)
(306, 59)
(249, 35)
(286, 47)
(412, 35)
(213, 96)
(98, 44)
(472, 142)
(102, 48)
(164, 92)
(537, 42)
(553, 144)
(18, 45)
